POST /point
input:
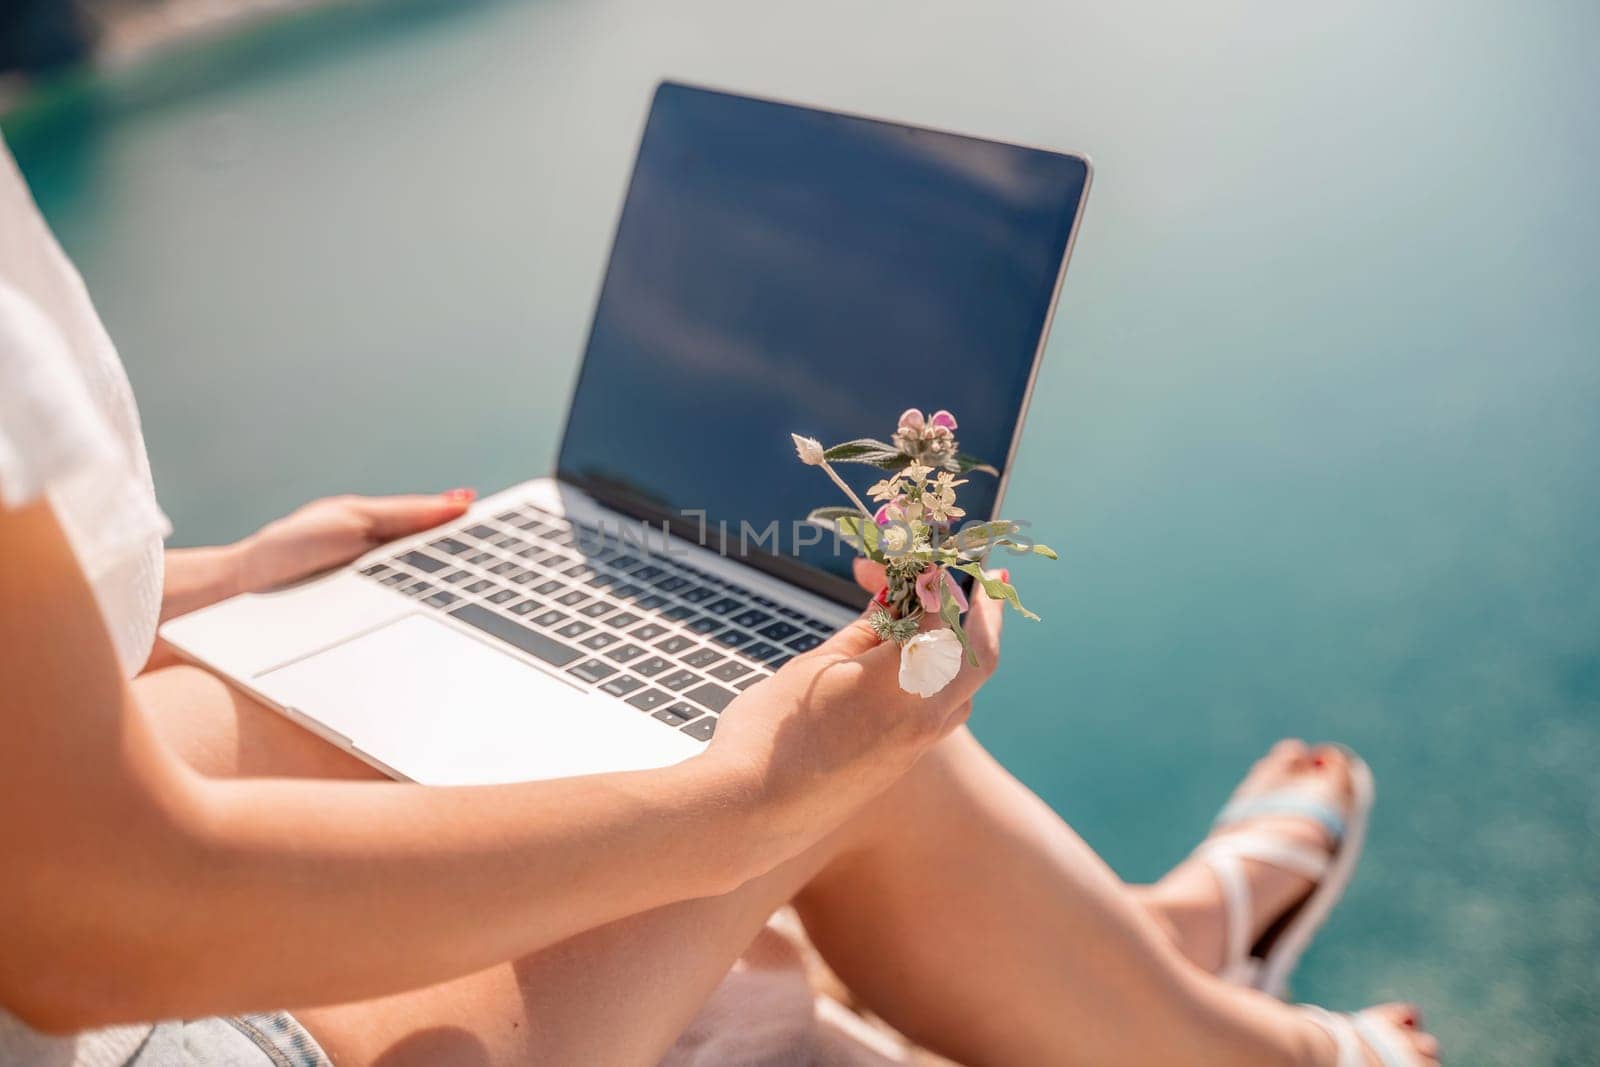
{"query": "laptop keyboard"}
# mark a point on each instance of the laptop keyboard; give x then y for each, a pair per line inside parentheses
(666, 637)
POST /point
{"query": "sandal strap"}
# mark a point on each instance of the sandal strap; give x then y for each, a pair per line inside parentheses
(1346, 1043)
(1308, 861)
(1365, 1028)
(1385, 1039)
(1298, 802)
(1225, 856)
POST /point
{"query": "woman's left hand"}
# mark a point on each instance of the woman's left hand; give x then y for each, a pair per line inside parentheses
(326, 533)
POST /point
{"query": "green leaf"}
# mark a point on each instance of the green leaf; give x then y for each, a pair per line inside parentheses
(996, 589)
(950, 612)
(861, 532)
(826, 517)
(964, 463)
(867, 450)
(976, 537)
(1046, 551)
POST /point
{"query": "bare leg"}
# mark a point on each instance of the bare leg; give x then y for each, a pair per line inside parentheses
(957, 905)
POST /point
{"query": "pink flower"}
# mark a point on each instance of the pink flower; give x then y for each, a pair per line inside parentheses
(882, 517)
(910, 419)
(942, 419)
(928, 589)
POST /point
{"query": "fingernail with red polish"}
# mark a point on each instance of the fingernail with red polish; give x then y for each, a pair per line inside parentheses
(461, 496)
(1005, 574)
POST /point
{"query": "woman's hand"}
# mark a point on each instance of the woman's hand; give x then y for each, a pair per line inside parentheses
(323, 534)
(833, 728)
(335, 530)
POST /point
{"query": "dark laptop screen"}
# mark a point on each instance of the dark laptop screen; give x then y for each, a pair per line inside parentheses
(781, 269)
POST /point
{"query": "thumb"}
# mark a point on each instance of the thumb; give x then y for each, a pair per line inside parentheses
(389, 517)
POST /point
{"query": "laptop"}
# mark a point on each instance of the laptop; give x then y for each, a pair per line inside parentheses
(775, 269)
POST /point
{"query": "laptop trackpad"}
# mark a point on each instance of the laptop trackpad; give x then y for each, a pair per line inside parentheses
(441, 707)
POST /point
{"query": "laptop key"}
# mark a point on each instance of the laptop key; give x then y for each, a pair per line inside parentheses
(678, 714)
(751, 619)
(417, 561)
(805, 642)
(418, 588)
(377, 570)
(649, 700)
(748, 682)
(397, 578)
(625, 653)
(678, 612)
(730, 670)
(597, 609)
(442, 599)
(515, 634)
(723, 606)
(575, 628)
(592, 670)
(652, 602)
(481, 532)
(574, 597)
(599, 640)
(652, 666)
(478, 559)
(546, 588)
(704, 625)
(703, 658)
(702, 728)
(678, 680)
(622, 685)
(501, 596)
(674, 644)
(623, 620)
(697, 594)
(457, 577)
(522, 607)
(774, 664)
(733, 638)
(645, 574)
(549, 618)
(672, 584)
(760, 651)
(713, 696)
(648, 632)
(779, 631)
(480, 585)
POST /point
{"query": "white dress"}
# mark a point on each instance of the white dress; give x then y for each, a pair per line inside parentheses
(69, 431)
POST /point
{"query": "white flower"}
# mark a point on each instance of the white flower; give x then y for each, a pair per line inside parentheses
(928, 661)
(809, 450)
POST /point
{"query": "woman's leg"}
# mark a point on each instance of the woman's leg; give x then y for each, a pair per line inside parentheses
(957, 905)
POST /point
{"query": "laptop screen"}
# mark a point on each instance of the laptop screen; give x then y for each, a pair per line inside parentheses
(779, 269)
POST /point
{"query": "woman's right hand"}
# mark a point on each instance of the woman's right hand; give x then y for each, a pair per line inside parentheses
(833, 728)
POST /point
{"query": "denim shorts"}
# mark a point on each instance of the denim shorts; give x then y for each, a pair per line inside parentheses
(270, 1039)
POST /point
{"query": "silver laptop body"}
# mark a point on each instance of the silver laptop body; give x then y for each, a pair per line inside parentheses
(563, 627)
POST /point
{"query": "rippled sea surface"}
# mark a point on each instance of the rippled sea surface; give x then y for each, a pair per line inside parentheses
(1318, 430)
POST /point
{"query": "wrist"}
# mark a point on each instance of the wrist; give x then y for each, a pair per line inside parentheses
(744, 825)
(237, 574)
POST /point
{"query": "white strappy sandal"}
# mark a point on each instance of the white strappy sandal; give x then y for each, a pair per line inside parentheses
(1267, 964)
(1386, 1038)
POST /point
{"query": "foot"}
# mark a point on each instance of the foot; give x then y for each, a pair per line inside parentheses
(1405, 1030)
(1189, 899)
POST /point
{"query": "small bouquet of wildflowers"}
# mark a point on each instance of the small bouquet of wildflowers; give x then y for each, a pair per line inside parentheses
(913, 534)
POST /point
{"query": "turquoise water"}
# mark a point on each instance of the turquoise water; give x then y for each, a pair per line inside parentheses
(1317, 429)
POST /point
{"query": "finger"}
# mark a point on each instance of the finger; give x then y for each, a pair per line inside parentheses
(856, 637)
(389, 517)
(870, 575)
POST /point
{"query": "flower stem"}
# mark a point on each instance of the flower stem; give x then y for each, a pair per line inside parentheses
(865, 513)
